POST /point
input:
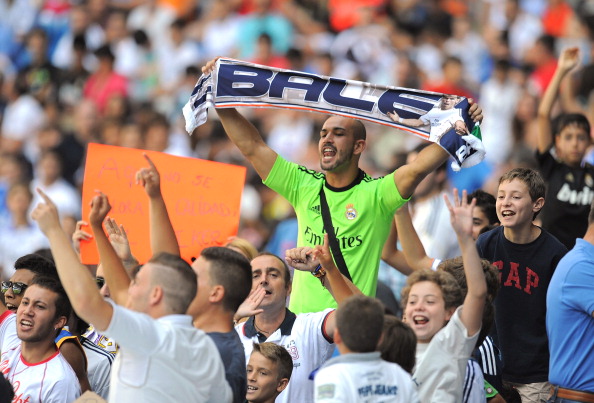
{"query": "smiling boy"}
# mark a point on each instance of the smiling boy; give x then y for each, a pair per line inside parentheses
(268, 372)
(526, 256)
(446, 332)
(560, 154)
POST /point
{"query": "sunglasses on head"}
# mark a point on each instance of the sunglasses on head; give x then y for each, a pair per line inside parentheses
(17, 288)
(100, 282)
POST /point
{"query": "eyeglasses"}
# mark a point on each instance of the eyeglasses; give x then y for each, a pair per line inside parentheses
(17, 288)
(100, 282)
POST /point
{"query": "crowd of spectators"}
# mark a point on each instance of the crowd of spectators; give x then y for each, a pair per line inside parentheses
(118, 72)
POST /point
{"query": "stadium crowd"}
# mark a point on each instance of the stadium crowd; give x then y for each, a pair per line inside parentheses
(484, 294)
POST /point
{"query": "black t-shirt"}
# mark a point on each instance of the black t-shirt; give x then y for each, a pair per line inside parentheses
(233, 356)
(520, 307)
(568, 198)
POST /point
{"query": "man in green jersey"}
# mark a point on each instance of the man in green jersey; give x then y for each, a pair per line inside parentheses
(361, 207)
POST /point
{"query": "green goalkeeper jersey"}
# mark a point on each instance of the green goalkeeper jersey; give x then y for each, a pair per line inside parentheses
(362, 213)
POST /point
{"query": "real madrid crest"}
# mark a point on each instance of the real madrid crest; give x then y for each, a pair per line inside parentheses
(350, 213)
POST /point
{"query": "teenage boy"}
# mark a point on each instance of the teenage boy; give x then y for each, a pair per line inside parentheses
(359, 373)
(526, 256)
(268, 372)
(446, 330)
(570, 181)
(32, 363)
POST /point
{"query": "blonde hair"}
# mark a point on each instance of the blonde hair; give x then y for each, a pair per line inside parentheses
(243, 246)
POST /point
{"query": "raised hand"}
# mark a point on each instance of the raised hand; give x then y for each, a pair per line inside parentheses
(301, 258)
(46, 214)
(475, 111)
(461, 214)
(250, 306)
(150, 179)
(99, 208)
(322, 253)
(569, 58)
(210, 65)
(394, 116)
(119, 239)
(80, 235)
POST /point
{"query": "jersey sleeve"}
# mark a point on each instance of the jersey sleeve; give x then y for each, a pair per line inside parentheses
(8, 333)
(389, 194)
(286, 177)
(126, 326)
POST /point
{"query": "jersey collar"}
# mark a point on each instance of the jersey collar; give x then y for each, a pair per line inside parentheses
(354, 183)
(285, 327)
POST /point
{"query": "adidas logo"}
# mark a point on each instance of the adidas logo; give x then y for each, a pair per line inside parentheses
(316, 209)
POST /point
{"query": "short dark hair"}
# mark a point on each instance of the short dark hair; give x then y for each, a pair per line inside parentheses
(233, 271)
(37, 264)
(398, 343)
(359, 130)
(63, 307)
(286, 271)
(178, 280)
(486, 202)
(277, 354)
(531, 178)
(571, 119)
(360, 320)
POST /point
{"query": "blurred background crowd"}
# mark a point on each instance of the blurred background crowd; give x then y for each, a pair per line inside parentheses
(118, 72)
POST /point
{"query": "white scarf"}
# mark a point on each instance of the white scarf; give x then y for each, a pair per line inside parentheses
(234, 83)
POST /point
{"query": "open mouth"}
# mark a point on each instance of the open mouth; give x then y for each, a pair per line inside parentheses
(26, 323)
(328, 152)
(11, 307)
(507, 213)
(420, 320)
(251, 387)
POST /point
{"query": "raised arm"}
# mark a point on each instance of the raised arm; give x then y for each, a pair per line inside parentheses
(461, 219)
(567, 61)
(76, 279)
(391, 254)
(307, 259)
(429, 159)
(119, 240)
(407, 122)
(116, 277)
(413, 249)
(163, 237)
(245, 136)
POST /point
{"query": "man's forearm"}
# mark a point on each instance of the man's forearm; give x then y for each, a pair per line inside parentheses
(116, 277)
(76, 279)
(162, 234)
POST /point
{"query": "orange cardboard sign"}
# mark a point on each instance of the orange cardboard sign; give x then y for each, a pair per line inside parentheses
(202, 197)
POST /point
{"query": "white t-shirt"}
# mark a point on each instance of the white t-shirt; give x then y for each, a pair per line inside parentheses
(363, 377)
(98, 367)
(441, 120)
(303, 337)
(8, 334)
(52, 380)
(441, 363)
(164, 360)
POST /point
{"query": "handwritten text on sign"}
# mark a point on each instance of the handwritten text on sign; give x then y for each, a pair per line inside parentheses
(202, 198)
